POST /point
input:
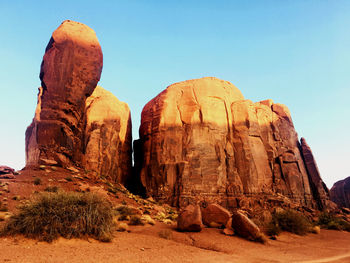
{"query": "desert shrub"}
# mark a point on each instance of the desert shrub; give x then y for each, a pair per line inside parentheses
(330, 221)
(136, 220)
(37, 181)
(165, 233)
(3, 207)
(273, 228)
(50, 215)
(52, 189)
(290, 221)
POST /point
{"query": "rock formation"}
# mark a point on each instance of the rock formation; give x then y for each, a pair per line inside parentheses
(6, 170)
(73, 125)
(202, 141)
(245, 227)
(107, 136)
(318, 187)
(190, 219)
(340, 193)
(214, 213)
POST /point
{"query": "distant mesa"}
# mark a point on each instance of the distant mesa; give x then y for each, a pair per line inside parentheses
(340, 193)
(65, 130)
(6, 170)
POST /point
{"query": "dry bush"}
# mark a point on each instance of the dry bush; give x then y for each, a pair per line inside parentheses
(290, 221)
(330, 221)
(37, 181)
(50, 215)
(52, 189)
(136, 220)
(3, 207)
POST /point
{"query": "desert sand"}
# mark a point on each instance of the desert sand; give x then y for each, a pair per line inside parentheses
(143, 245)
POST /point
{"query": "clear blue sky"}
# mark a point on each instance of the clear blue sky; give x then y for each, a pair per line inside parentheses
(294, 52)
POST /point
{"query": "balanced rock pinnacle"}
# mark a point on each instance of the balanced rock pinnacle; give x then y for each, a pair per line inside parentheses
(65, 124)
(203, 142)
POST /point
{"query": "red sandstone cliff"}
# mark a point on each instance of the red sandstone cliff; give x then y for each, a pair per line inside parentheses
(74, 124)
(202, 141)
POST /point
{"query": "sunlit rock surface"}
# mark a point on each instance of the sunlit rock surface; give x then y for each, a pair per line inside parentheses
(73, 125)
(202, 141)
(107, 136)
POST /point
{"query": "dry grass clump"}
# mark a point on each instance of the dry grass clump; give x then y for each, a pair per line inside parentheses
(330, 221)
(290, 221)
(3, 207)
(52, 189)
(50, 215)
(136, 220)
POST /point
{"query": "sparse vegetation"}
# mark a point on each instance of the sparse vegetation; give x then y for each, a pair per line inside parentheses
(121, 227)
(69, 179)
(166, 234)
(136, 220)
(3, 207)
(50, 215)
(37, 181)
(16, 197)
(290, 221)
(330, 221)
(52, 189)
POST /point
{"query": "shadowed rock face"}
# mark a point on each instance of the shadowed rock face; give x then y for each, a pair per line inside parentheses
(74, 124)
(318, 187)
(340, 193)
(202, 141)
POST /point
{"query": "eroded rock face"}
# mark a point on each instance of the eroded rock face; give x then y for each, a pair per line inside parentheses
(76, 124)
(202, 141)
(70, 70)
(107, 136)
(340, 193)
(6, 170)
(318, 187)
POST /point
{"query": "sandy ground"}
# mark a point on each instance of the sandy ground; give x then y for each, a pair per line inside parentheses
(143, 245)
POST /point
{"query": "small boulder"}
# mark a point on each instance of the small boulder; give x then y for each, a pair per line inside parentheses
(215, 214)
(228, 232)
(190, 219)
(245, 227)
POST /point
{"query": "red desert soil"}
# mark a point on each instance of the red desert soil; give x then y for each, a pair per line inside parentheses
(143, 244)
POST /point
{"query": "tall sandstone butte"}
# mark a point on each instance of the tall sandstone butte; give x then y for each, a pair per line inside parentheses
(64, 126)
(202, 141)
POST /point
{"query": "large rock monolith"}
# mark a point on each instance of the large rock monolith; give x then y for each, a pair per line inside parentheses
(74, 124)
(203, 142)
